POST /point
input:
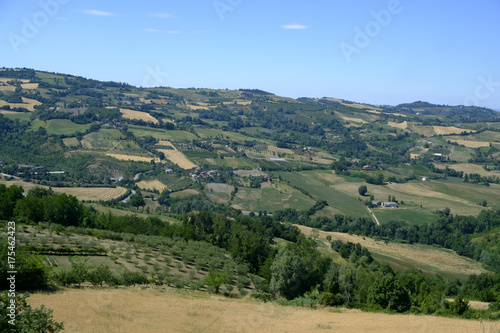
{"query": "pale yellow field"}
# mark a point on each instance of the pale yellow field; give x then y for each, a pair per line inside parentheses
(178, 158)
(27, 104)
(152, 185)
(139, 115)
(29, 86)
(355, 120)
(197, 107)
(470, 168)
(6, 79)
(82, 193)
(70, 142)
(471, 144)
(7, 112)
(403, 125)
(7, 88)
(449, 130)
(152, 311)
(437, 259)
(134, 158)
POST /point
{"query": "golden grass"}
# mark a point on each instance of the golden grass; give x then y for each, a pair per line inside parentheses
(471, 168)
(449, 130)
(353, 120)
(29, 85)
(82, 193)
(436, 259)
(197, 107)
(6, 79)
(403, 125)
(7, 88)
(178, 158)
(139, 115)
(471, 144)
(28, 103)
(152, 311)
(152, 185)
(184, 193)
(70, 142)
(134, 158)
(175, 156)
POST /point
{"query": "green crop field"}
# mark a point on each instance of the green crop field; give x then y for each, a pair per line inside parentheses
(21, 116)
(409, 213)
(59, 126)
(270, 199)
(314, 184)
(236, 163)
(173, 135)
(216, 133)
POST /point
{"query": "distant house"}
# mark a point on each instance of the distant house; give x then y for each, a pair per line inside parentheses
(355, 160)
(425, 179)
(438, 154)
(277, 159)
(367, 167)
(390, 204)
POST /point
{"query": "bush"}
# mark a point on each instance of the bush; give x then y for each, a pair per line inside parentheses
(27, 319)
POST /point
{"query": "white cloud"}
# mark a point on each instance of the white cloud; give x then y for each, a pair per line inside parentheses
(161, 15)
(294, 26)
(96, 12)
(152, 30)
(172, 32)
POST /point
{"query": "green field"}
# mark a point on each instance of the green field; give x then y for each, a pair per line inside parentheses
(216, 133)
(270, 199)
(160, 134)
(314, 184)
(59, 126)
(235, 163)
(22, 116)
(412, 214)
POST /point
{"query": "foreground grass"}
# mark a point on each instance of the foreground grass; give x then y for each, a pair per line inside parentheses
(147, 310)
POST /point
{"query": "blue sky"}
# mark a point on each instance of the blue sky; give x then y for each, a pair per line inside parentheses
(379, 52)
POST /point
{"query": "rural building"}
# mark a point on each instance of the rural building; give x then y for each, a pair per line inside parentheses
(390, 204)
(425, 179)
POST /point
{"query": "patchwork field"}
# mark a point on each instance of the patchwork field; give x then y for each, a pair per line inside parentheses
(442, 130)
(139, 115)
(160, 134)
(470, 168)
(82, 193)
(60, 126)
(137, 310)
(403, 125)
(470, 144)
(178, 158)
(270, 199)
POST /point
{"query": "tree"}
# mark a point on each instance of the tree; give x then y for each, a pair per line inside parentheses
(27, 319)
(99, 275)
(137, 201)
(216, 278)
(289, 274)
(362, 190)
(389, 293)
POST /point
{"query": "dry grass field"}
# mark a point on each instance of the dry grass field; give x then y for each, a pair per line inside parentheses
(134, 158)
(152, 185)
(427, 258)
(70, 142)
(30, 86)
(7, 88)
(353, 121)
(139, 115)
(449, 130)
(28, 104)
(471, 144)
(175, 156)
(151, 311)
(470, 168)
(82, 193)
(403, 125)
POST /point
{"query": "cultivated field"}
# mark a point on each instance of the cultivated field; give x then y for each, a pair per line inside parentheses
(70, 142)
(152, 185)
(403, 125)
(29, 86)
(176, 156)
(27, 103)
(471, 144)
(131, 114)
(153, 311)
(82, 193)
(405, 256)
(449, 130)
(470, 168)
(134, 158)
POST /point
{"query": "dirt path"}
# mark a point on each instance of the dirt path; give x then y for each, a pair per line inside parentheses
(133, 310)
